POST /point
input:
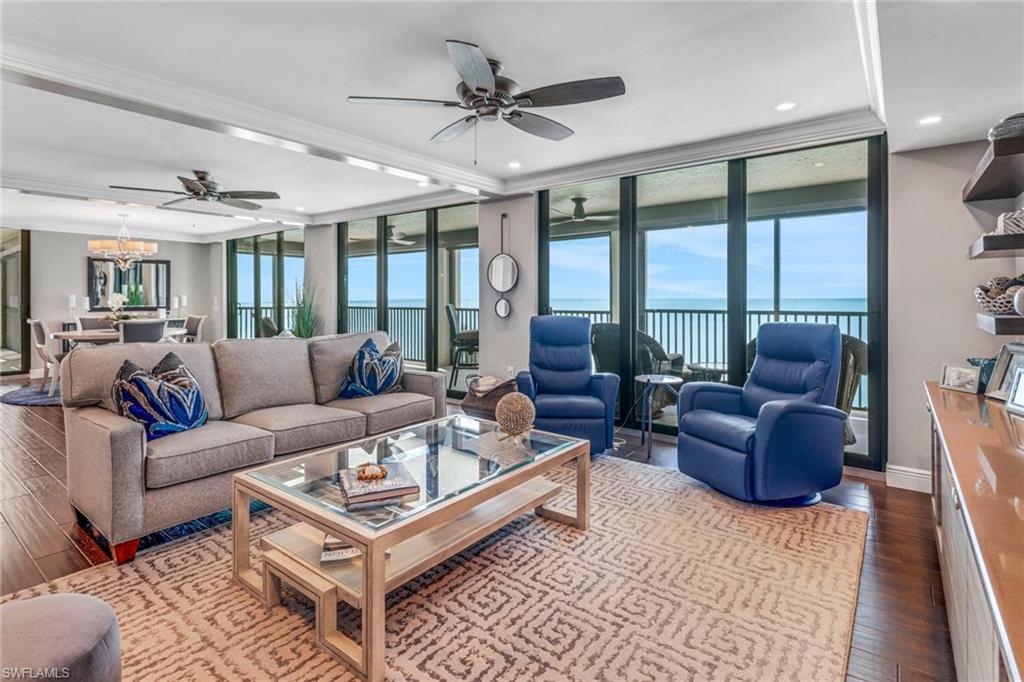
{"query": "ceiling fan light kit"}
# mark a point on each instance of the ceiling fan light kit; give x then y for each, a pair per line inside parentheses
(490, 95)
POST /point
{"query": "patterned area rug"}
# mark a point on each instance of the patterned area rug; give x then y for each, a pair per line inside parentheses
(32, 395)
(673, 581)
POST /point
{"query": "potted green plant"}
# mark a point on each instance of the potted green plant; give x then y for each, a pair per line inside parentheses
(307, 321)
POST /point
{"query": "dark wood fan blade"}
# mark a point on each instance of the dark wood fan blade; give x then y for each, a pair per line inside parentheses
(403, 101)
(471, 65)
(193, 185)
(573, 92)
(538, 125)
(454, 130)
(249, 194)
(147, 189)
(177, 201)
(238, 203)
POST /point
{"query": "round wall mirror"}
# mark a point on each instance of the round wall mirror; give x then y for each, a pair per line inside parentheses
(502, 273)
(502, 308)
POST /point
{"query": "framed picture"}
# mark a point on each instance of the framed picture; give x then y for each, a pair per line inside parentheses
(1015, 400)
(958, 378)
(1011, 358)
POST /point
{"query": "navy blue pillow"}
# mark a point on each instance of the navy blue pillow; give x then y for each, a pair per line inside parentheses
(373, 372)
(166, 400)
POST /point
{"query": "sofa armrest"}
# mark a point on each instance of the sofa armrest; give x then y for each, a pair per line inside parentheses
(798, 445)
(524, 384)
(709, 395)
(106, 456)
(427, 383)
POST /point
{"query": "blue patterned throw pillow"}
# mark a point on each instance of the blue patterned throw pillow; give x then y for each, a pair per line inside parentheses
(373, 372)
(166, 400)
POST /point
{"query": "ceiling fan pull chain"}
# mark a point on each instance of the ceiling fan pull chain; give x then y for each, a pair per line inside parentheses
(475, 126)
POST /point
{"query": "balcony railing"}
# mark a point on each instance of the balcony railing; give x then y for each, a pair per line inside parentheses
(698, 335)
(247, 322)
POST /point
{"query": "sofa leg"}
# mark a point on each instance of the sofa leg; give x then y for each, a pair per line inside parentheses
(125, 551)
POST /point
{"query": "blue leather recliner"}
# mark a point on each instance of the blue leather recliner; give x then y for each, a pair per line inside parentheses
(570, 398)
(779, 439)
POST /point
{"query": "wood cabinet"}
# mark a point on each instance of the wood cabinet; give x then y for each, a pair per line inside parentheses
(983, 624)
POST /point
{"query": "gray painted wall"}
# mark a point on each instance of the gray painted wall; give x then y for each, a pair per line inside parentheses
(506, 342)
(59, 265)
(321, 243)
(931, 305)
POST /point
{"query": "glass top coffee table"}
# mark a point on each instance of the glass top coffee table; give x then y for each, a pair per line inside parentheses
(473, 480)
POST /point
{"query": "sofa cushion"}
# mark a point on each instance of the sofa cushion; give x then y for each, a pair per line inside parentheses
(166, 401)
(570, 406)
(733, 431)
(300, 427)
(211, 449)
(258, 373)
(390, 410)
(87, 374)
(331, 358)
(373, 371)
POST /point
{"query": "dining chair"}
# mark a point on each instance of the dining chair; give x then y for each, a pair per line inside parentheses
(142, 331)
(193, 328)
(268, 327)
(464, 342)
(51, 360)
(88, 324)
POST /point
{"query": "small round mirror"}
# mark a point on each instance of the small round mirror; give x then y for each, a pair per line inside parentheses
(502, 273)
(503, 308)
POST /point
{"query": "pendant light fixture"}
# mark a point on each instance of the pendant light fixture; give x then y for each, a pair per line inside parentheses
(124, 250)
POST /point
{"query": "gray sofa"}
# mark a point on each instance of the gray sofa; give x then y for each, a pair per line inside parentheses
(266, 398)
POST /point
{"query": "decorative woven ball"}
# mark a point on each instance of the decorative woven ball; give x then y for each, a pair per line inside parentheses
(371, 472)
(514, 414)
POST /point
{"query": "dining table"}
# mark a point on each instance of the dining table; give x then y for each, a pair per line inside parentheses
(106, 335)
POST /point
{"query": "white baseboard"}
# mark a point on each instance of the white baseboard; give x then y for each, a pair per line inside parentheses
(908, 478)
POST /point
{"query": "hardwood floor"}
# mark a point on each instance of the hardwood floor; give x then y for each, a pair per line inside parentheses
(900, 632)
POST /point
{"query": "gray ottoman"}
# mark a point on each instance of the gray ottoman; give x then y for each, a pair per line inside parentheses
(58, 632)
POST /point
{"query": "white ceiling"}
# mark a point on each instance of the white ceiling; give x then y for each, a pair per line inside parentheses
(963, 61)
(693, 72)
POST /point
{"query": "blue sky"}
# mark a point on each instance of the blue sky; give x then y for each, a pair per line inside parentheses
(822, 257)
(293, 276)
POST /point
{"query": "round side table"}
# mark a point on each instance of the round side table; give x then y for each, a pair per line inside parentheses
(651, 383)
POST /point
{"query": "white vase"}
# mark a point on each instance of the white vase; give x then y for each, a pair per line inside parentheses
(1018, 301)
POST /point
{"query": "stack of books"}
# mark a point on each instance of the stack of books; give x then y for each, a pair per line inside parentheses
(379, 492)
(336, 550)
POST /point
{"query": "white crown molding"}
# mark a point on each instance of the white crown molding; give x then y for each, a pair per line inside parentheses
(908, 478)
(417, 203)
(93, 231)
(848, 126)
(866, 14)
(44, 68)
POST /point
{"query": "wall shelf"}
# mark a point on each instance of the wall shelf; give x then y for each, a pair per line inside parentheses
(999, 174)
(997, 246)
(1001, 325)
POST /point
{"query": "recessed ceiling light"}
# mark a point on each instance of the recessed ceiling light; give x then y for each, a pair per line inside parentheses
(423, 183)
(514, 165)
(300, 209)
(819, 164)
(928, 120)
(785, 106)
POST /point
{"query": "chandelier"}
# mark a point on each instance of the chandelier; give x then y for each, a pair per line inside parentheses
(124, 250)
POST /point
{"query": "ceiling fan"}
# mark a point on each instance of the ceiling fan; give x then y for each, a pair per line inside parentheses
(484, 91)
(204, 188)
(396, 236)
(579, 213)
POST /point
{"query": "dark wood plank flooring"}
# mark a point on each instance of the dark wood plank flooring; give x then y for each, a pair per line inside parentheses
(900, 631)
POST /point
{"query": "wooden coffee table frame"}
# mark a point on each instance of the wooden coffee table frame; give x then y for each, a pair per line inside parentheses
(417, 543)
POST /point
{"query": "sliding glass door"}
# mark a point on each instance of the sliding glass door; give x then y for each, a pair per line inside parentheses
(415, 275)
(265, 273)
(692, 261)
